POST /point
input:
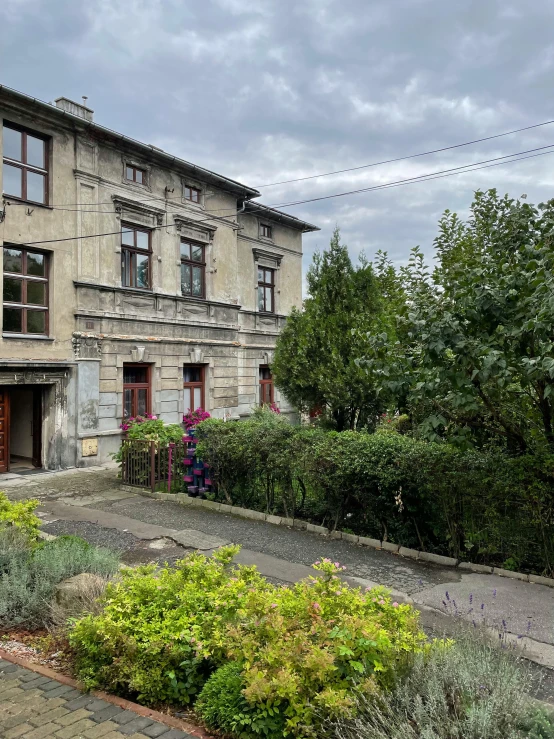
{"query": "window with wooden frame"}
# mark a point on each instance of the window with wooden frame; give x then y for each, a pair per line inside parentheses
(136, 257)
(266, 385)
(193, 385)
(266, 288)
(266, 231)
(24, 164)
(25, 291)
(135, 174)
(136, 390)
(193, 194)
(193, 269)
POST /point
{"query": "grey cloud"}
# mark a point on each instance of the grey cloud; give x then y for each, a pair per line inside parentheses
(281, 89)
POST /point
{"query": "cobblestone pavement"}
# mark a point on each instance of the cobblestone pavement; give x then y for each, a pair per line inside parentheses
(35, 707)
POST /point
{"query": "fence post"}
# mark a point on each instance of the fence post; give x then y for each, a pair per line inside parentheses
(153, 466)
(169, 466)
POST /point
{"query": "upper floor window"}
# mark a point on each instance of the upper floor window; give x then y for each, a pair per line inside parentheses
(136, 390)
(193, 194)
(193, 268)
(25, 165)
(136, 256)
(25, 291)
(135, 174)
(266, 285)
(266, 385)
(266, 231)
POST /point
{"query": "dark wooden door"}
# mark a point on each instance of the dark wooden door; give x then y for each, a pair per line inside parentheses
(37, 426)
(4, 430)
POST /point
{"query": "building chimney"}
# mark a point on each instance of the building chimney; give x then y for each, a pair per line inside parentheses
(75, 108)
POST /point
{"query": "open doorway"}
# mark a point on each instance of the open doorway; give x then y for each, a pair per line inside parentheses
(21, 428)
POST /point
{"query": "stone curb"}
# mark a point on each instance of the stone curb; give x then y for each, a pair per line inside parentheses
(387, 546)
(162, 718)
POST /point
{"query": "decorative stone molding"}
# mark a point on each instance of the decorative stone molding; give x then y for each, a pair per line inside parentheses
(260, 255)
(86, 347)
(139, 354)
(189, 228)
(146, 168)
(267, 357)
(129, 209)
(196, 356)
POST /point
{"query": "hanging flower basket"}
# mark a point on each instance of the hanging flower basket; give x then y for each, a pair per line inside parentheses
(188, 478)
(198, 471)
(208, 481)
(206, 465)
(188, 439)
(191, 452)
(187, 461)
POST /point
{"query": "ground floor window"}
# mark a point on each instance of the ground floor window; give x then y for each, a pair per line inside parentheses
(193, 385)
(266, 385)
(136, 390)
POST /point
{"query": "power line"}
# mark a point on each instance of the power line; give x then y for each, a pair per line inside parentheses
(409, 156)
(62, 206)
(429, 176)
(484, 164)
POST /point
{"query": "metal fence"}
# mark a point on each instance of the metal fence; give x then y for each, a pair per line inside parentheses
(153, 465)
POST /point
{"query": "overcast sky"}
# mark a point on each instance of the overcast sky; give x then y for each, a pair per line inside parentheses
(278, 89)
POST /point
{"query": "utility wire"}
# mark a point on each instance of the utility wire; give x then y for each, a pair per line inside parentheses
(338, 171)
(409, 156)
(485, 164)
(429, 176)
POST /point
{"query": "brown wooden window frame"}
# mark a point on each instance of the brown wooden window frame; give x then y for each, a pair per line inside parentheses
(25, 279)
(189, 191)
(191, 263)
(25, 167)
(134, 171)
(135, 386)
(266, 231)
(265, 384)
(134, 250)
(263, 284)
(195, 384)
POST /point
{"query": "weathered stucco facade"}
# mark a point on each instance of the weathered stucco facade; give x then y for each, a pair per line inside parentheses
(66, 383)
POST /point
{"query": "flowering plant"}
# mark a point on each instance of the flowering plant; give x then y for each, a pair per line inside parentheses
(128, 422)
(274, 407)
(193, 418)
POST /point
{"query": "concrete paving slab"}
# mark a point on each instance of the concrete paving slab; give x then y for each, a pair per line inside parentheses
(193, 539)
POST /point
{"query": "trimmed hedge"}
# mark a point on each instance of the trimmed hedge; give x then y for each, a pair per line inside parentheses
(485, 507)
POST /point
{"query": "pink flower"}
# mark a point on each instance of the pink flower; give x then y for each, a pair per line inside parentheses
(274, 605)
(337, 564)
(381, 602)
(316, 606)
(395, 604)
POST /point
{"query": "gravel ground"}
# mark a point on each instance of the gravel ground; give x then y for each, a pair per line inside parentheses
(133, 551)
(295, 546)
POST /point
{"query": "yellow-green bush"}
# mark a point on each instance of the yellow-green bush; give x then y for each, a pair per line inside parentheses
(19, 515)
(299, 651)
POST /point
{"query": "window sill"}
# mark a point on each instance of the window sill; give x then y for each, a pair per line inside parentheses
(28, 337)
(30, 203)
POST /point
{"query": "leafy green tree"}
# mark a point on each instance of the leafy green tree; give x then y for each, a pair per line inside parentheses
(315, 359)
(476, 359)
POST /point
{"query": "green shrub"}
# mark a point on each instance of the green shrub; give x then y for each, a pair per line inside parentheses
(28, 577)
(222, 705)
(302, 649)
(19, 515)
(470, 689)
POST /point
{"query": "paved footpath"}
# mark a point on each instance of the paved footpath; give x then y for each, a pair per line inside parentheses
(37, 707)
(94, 505)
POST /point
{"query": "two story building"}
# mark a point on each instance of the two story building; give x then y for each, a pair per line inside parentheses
(133, 282)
